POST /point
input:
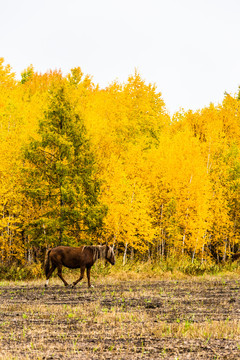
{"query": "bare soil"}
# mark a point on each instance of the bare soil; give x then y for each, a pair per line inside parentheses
(187, 319)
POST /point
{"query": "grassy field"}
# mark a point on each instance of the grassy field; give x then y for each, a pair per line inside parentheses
(125, 316)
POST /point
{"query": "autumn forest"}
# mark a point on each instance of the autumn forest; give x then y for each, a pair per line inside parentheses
(85, 165)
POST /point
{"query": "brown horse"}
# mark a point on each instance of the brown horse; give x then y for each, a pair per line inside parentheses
(82, 257)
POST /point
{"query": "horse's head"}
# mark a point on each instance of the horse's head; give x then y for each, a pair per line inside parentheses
(110, 257)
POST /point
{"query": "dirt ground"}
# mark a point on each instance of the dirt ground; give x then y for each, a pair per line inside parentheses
(187, 319)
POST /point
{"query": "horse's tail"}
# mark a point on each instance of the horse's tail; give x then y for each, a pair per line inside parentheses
(47, 262)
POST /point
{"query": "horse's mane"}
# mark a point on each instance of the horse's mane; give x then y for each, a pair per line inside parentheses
(99, 251)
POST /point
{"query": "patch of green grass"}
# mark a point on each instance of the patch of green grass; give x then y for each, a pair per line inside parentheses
(170, 268)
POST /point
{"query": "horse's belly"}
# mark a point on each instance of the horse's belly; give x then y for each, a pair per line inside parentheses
(74, 264)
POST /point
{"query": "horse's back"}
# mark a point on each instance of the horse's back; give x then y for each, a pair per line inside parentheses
(71, 257)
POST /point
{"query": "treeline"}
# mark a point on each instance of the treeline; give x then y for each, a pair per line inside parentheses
(80, 164)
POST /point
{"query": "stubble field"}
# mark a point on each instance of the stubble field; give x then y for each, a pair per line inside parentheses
(131, 319)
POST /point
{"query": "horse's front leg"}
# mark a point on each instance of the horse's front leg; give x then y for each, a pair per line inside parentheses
(60, 275)
(81, 276)
(88, 277)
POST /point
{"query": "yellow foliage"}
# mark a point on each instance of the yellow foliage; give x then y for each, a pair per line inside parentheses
(171, 185)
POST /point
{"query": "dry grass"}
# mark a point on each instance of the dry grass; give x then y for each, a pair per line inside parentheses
(134, 319)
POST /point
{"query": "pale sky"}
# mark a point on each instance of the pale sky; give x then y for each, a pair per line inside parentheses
(189, 48)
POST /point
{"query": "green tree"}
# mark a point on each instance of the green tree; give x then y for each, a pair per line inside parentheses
(60, 176)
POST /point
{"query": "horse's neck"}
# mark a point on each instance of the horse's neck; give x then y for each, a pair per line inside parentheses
(98, 252)
(102, 251)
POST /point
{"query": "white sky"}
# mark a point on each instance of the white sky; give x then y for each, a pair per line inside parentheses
(189, 48)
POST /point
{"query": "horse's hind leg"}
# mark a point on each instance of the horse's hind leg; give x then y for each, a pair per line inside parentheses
(81, 276)
(60, 275)
(53, 267)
